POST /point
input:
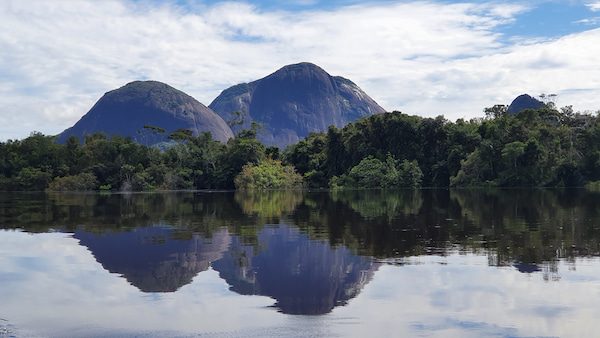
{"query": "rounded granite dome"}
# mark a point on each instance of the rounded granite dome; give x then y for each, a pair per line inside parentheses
(127, 110)
(295, 101)
(524, 102)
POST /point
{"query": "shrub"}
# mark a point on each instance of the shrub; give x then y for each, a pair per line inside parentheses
(268, 174)
(373, 173)
(369, 173)
(32, 179)
(593, 186)
(80, 182)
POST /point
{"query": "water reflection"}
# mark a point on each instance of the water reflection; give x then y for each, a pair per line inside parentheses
(155, 259)
(372, 204)
(510, 226)
(269, 206)
(513, 227)
(304, 276)
(312, 251)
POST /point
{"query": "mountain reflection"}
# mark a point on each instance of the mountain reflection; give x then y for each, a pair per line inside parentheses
(153, 259)
(311, 251)
(304, 276)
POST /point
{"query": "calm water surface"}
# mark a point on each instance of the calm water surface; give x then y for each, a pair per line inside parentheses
(499, 263)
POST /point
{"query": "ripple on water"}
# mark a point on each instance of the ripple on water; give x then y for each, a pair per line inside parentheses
(6, 330)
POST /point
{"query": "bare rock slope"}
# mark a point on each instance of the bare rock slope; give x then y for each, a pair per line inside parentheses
(125, 112)
(293, 102)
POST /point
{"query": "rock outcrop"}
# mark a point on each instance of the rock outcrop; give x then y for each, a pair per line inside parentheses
(128, 110)
(293, 102)
(524, 102)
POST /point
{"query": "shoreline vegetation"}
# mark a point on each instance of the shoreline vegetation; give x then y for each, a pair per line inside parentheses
(376, 223)
(546, 147)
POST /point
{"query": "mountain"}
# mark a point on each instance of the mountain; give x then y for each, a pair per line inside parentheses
(293, 102)
(523, 102)
(125, 112)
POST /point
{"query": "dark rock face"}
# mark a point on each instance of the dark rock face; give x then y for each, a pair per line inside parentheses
(295, 101)
(524, 102)
(125, 112)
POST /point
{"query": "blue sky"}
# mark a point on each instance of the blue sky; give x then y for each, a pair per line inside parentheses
(545, 10)
(551, 19)
(542, 19)
(420, 57)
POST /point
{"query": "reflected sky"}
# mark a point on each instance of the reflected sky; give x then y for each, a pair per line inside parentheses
(432, 264)
(53, 286)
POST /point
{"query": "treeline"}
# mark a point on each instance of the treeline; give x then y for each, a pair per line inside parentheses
(534, 148)
(119, 164)
(545, 147)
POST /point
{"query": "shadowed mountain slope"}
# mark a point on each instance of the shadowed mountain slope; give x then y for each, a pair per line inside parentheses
(125, 112)
(524, 102)
(293, 102)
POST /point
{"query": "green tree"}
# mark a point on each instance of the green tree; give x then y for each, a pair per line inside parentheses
(33, 179)
(79, 182)
(511, 153)
(369, 173)
(242, 150)
(308, 157)
(181, 135)
(496, 111)
(470, 173)
(268, 174)
(335, 152)
(373, 173)
(409, 174)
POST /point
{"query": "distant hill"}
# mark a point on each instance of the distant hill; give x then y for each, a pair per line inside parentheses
(125, 112)
(523, 102)
(293, 102)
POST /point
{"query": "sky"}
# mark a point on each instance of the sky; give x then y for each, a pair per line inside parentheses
(428, 58)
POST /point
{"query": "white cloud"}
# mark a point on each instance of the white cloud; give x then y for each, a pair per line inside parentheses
(594, 6)
(59, 57)
(589, 21)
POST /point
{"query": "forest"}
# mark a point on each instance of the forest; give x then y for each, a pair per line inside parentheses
(547, 147)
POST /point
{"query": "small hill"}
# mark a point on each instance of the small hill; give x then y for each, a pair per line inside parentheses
(127, 110)
(523, 102)
(293, 102)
